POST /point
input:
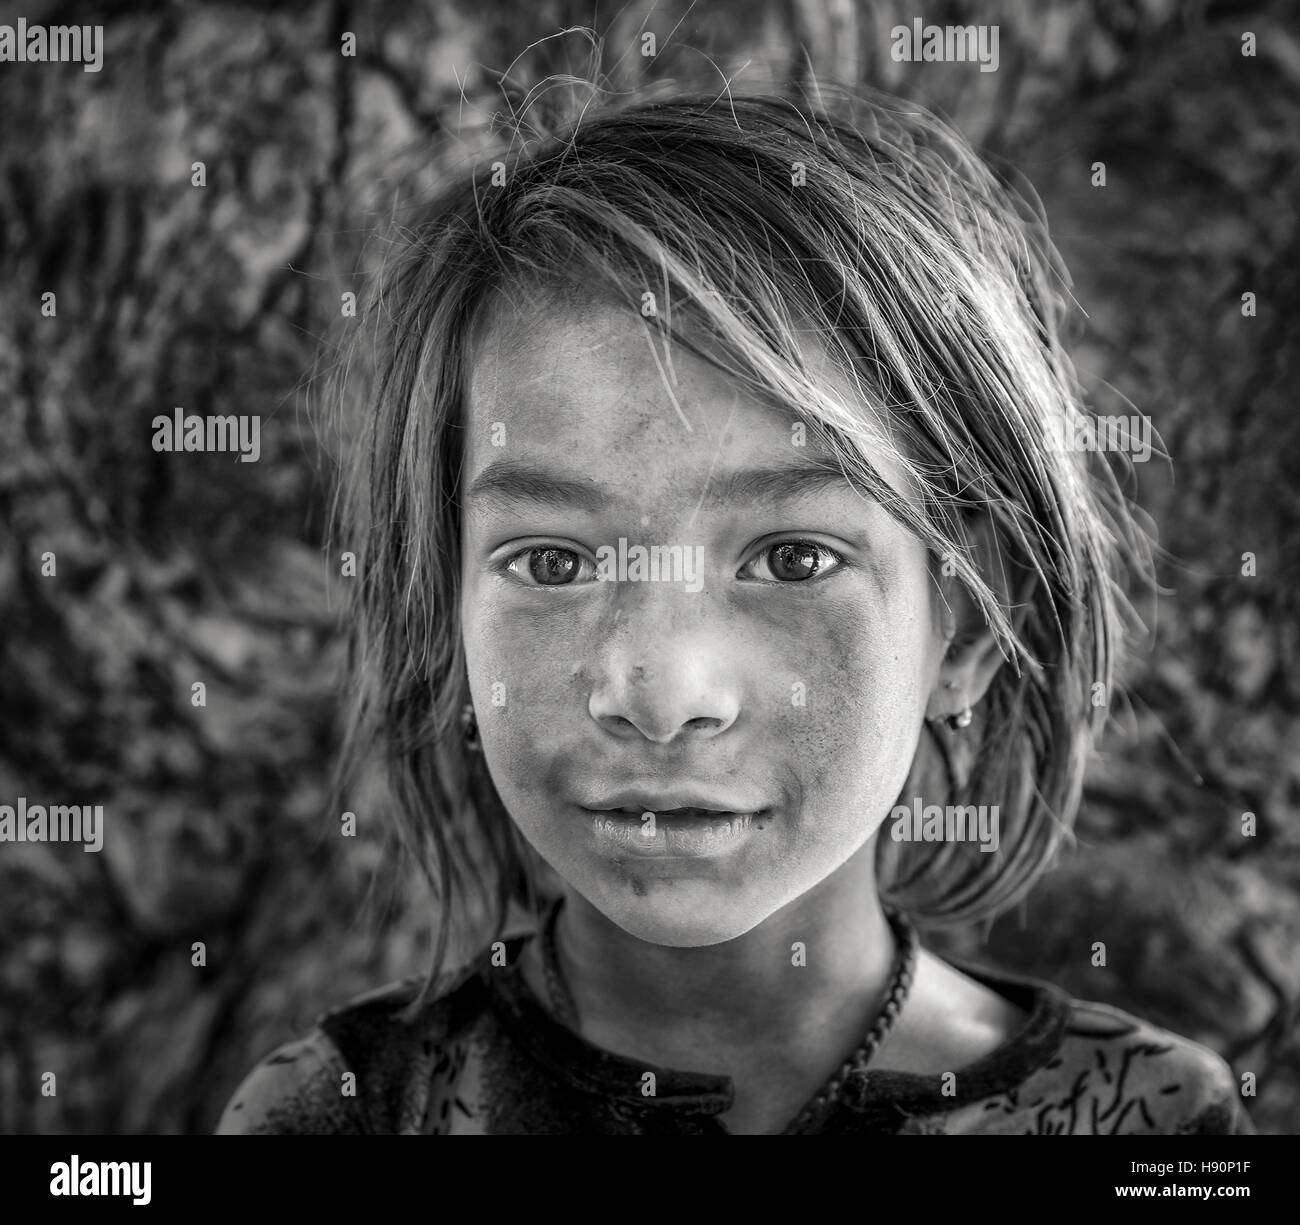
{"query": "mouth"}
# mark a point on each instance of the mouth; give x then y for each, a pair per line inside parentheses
(677, 832)
(673, 804)
(687, 811)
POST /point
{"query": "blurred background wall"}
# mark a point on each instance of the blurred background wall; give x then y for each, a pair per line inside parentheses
(176, 569)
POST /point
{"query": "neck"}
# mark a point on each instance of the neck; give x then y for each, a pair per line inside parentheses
(717, 1007)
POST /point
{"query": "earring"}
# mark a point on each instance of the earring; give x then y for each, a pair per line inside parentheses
(956, 722)
(469, 728)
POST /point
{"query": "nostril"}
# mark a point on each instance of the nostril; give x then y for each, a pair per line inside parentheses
(619, 725)
(703, 724)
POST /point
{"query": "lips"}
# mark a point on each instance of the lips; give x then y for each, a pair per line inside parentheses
(626, 836)
(677, 812)
(673, 804)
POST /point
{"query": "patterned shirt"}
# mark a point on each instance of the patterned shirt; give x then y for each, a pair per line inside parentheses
(484, 1057)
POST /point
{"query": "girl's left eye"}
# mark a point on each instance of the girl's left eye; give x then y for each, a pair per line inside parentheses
(547, 566)
(794, 561)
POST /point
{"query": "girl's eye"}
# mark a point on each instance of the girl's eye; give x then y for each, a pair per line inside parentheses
(546, 566)
(794, 561)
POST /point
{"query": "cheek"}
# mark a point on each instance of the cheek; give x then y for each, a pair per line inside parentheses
(538, 652)
(524, 668)
(856, 697)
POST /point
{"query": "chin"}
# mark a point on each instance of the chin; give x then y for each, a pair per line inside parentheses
(677, 913)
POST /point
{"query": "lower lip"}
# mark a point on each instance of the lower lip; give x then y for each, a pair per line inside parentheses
(681, 835)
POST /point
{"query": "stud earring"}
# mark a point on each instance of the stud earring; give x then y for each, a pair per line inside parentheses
(469, 728)
(955, 722)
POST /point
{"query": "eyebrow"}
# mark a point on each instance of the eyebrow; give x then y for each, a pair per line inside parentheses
(507, 480)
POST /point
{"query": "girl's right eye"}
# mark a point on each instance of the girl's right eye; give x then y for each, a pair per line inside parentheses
(547, 566)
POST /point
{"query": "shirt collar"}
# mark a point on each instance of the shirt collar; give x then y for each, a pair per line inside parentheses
(884, 1097)
(576, 1061)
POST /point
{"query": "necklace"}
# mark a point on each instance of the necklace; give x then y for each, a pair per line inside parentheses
(900, 983)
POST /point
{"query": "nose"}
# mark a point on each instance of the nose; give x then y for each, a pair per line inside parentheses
(667, 683)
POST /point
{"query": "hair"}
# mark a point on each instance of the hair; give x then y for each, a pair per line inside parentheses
(753, 217)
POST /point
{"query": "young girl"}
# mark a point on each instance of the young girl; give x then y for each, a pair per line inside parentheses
(728, 604)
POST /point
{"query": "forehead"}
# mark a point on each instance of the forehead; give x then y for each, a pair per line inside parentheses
(591, 376)
(588, 386)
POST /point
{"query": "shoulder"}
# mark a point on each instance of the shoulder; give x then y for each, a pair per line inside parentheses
(1130, 1076)
(1075, 1067)
(1095, 1070)
(298, 1089)
(367, 1066)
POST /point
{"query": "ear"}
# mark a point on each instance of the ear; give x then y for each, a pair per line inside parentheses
(973, 657)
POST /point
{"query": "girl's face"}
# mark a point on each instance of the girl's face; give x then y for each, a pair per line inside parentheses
(672, 606)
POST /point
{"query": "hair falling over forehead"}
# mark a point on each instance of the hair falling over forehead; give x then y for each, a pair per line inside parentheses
(761, 221)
